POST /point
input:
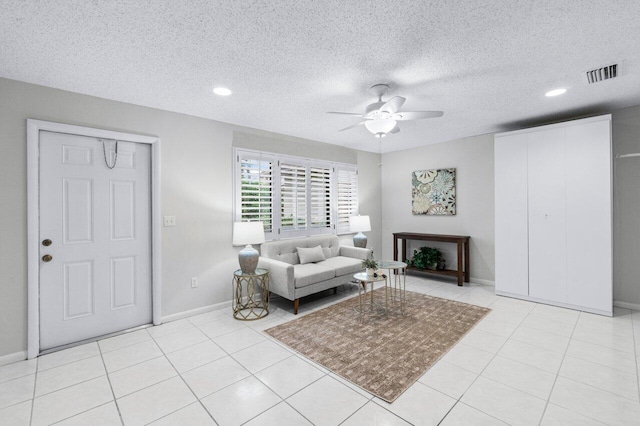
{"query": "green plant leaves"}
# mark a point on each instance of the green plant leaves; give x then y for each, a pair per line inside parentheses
(427, 258)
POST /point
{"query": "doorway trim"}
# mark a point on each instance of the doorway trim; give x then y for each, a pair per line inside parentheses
(34, 127)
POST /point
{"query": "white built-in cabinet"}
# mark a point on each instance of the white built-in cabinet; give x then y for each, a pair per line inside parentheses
(553, 215)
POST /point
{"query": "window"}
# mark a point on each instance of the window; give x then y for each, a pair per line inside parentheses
(294, 196)
(256, 203)
(347, 183)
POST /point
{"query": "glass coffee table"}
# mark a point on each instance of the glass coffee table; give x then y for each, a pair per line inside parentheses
(399, 280)
(367, 305)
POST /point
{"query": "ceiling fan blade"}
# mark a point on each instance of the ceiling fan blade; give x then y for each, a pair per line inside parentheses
(345, 113)
(395, 129)
(353, 125)
(392, 105)
(416, 115)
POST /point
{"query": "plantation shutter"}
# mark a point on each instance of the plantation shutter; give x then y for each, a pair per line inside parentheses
(347, 195)
(293, 196)
(256, 191)
(320, 197)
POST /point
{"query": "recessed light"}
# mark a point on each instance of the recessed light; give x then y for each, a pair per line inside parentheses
(222, 91)
(555, 92)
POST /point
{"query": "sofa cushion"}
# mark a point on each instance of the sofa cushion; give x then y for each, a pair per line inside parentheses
(311, 273)
(311, 255)
(286, 250)
(343, 265)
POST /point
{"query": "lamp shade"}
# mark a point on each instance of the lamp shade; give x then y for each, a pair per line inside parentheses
(248, 233)
(380, 126)
(359, 224)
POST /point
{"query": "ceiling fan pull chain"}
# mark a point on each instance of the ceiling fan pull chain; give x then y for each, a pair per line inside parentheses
(104, 153)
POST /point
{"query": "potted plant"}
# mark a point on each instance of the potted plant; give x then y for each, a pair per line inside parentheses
(427, 258)
(370, 264)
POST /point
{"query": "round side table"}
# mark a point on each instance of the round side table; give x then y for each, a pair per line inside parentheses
(365, 279)
(249, 305)
(398, 291)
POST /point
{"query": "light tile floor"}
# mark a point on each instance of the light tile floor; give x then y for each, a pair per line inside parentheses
(525, 363)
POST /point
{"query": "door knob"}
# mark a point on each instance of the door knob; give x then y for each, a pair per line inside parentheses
(47, 258)
(46, 242)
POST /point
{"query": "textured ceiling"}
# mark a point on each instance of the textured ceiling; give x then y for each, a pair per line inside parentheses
(486, 64)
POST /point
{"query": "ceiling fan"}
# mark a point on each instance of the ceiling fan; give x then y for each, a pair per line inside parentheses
(381, 118)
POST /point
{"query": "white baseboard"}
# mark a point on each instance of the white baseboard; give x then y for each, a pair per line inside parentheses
(619, 304)
(14, 357)
(482, 281)
(197, 311)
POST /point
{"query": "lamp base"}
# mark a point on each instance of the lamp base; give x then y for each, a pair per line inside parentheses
(248, 259)
(360, 240)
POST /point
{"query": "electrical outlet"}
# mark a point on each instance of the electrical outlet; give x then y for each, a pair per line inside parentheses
(194, 282)
(169, 221)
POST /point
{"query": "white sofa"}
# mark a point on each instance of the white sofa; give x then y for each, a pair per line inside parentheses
(292, 280)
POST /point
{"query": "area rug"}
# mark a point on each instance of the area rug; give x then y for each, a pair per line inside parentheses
(384, 356)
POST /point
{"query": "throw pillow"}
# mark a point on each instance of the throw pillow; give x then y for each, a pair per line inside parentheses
(310, 255)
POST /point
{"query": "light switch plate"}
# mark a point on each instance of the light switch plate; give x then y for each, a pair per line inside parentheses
(169, 221)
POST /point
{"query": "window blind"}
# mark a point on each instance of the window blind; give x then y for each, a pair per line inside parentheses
(320, 197)
(294, 196)
(347, 197)
(256, 191)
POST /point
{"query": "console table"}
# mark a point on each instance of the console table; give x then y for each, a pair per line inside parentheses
(462, 241)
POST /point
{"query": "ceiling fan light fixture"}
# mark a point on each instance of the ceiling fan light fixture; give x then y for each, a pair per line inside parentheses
(380, 127)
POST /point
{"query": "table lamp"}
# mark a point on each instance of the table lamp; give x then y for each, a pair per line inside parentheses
(248, 233)
(359, 224)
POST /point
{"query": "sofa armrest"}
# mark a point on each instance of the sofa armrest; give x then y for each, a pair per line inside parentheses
(355, 252)
(280, 276)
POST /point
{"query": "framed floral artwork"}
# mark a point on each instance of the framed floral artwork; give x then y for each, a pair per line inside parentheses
(434, 192)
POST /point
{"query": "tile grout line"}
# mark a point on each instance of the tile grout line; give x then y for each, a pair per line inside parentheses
(484, 368)
(635, 351)
(185, 383)
(71, 385)
(268, 338)
(397, 415)
(115, 401)
(577, 381)
(311, 363)
(35, 381)
(555, 379)
(230, 355)
(82, 412)
(282, 400)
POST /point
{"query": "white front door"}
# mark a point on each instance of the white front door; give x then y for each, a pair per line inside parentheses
(98, 222)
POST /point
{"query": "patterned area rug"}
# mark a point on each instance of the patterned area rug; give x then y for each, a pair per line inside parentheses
(383, 356)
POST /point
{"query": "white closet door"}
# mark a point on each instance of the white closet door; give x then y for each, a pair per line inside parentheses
(511, 226)
(547, 215)
(589, 239)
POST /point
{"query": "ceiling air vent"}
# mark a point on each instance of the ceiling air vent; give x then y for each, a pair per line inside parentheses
(601, 74)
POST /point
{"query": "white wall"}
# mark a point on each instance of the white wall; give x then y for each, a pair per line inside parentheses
(473, 160)
(196, 188)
